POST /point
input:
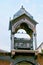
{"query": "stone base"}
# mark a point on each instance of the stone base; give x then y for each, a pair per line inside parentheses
(24, 57)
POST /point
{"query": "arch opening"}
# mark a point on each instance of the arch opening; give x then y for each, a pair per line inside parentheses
(25, 27)
(24, 63)
(23, 37)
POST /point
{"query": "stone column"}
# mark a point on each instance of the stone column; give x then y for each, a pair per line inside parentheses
(34, 41)
(12, 41)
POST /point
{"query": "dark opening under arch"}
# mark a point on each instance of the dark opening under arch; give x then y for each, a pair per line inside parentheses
(25, 27)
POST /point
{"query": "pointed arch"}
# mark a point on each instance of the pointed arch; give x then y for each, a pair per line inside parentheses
(29, 60)
(24, 26)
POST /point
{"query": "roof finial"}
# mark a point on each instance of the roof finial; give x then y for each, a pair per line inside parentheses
(22, 6)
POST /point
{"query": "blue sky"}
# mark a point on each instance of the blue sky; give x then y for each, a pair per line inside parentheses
(8, 8)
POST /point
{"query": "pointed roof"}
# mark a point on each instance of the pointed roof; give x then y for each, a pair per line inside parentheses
(21, 12)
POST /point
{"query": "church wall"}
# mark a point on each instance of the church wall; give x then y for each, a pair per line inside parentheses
(4, 62)
(22, 56)
(40, 59)
(5, 58)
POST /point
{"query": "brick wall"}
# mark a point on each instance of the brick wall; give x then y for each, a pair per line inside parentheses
(4, 62)
(40, 59)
